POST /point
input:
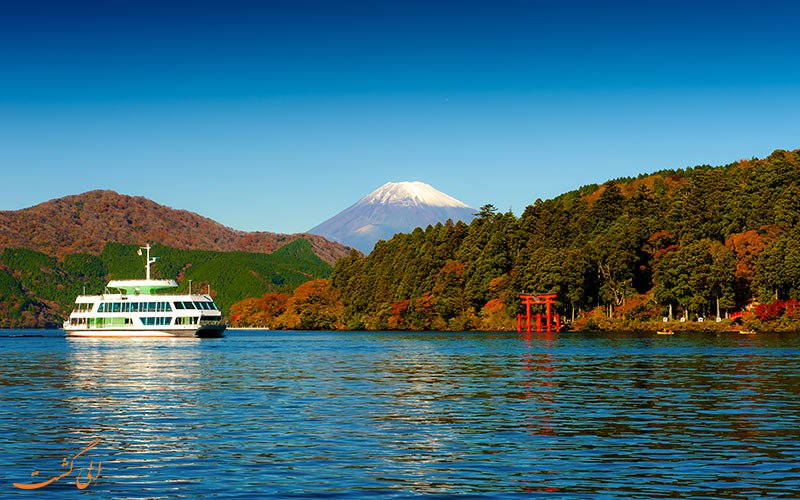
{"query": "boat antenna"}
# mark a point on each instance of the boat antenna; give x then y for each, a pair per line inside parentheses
(149, 260)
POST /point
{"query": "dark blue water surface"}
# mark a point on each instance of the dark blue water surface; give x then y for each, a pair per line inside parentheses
(276, 414)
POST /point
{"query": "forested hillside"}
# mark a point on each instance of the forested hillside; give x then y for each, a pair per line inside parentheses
(687, 241)
(38, 290)
(84, 223)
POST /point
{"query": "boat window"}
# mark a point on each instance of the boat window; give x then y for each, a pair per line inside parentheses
(163, 307)
(188, 305)
(101, 308)
(83, 307)
(156, 321)
(178, 305)
(115, 307)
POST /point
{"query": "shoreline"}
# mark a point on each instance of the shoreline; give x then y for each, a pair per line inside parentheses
(607, 325)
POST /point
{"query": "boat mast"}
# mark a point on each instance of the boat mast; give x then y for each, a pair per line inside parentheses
(149, 260)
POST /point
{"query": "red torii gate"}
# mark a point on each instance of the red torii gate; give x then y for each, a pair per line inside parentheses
(548, 299)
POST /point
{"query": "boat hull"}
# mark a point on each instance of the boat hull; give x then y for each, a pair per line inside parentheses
(206, 331)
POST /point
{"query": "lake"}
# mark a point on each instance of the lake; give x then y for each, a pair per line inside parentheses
(354, 414)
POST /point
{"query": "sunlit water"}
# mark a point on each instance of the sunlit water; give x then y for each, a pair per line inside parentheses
(259, 414)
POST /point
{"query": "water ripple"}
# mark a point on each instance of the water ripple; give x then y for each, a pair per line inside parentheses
(348, 415)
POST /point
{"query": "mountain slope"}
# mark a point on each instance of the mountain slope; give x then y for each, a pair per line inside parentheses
(84, 223)
(395, 207)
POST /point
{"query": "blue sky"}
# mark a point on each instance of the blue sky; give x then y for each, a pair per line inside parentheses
(275, 116)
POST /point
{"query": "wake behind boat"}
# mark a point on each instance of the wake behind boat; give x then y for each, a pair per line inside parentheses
(134, 309)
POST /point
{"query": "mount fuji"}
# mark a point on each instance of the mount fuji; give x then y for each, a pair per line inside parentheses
(395, 207)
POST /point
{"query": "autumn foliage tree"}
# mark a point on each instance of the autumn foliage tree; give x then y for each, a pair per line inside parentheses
(260, 312)
(314, 305)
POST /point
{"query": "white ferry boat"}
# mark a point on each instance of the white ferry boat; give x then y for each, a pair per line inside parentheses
(131, 308)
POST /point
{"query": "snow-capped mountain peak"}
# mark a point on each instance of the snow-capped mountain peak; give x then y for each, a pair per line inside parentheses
(411, 193)
(395, 207)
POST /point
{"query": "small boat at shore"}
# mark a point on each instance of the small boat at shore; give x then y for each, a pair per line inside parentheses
(747, 332)
(665, 332)
(133, 309)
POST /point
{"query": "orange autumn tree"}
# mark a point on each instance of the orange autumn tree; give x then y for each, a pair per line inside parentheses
(241, 312)
(747, 246)
(259, 312)
(425, 316)
(494, 316)
(315, 305)
(397, 320)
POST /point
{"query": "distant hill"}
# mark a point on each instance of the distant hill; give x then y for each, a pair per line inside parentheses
(84, 223)
(38, 290)
(395, 207)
